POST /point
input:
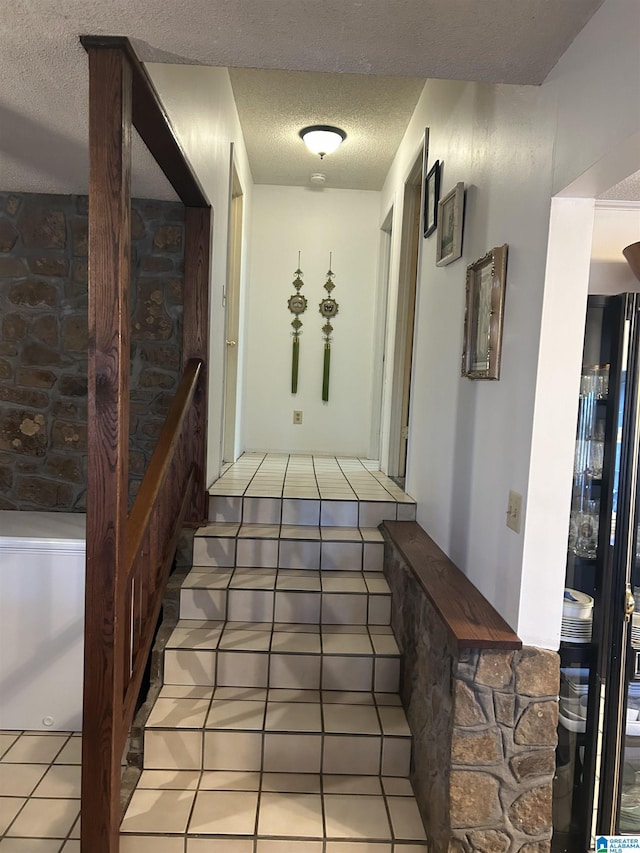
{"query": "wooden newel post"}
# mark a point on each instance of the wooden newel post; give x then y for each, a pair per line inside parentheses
(129, 554)
(110, 94)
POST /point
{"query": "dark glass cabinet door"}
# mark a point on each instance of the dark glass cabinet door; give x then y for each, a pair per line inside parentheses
(580, 708)
(596, 790)
(619, 800)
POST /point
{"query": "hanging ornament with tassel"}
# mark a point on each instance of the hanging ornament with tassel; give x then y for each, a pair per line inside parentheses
(297, 305)
(328, 309)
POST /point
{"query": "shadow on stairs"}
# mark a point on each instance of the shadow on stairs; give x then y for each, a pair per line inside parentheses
(278, 727)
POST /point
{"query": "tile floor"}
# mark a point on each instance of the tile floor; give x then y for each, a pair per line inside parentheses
(39, 792)
(253, 812)
(280, 475)
(277, 729)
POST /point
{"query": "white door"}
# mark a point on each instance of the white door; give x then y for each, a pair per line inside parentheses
(405, 318)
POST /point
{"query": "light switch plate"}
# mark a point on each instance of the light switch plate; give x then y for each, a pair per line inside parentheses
(514, 511)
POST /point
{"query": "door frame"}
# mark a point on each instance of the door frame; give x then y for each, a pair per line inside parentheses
(380, 335)
(231, 301)
(409, 267)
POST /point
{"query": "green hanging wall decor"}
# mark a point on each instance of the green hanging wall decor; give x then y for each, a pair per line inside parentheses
(328, 309)
(297, 305)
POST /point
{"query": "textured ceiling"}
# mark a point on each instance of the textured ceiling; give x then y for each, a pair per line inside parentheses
(627, 190)
(275, 105)
(43, 68)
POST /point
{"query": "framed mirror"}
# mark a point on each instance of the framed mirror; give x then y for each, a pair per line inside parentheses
(482, 346)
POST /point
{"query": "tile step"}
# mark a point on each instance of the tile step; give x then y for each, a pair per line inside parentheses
(315, 510)
(285, 595)
(277, 530)
(273, 546)
(277, 752)
(282, 655)
(339, 712)
(278, 731)
(247, 731)
(247, 812)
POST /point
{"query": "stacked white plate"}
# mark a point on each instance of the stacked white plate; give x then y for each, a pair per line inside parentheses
(630, 809)
(577, 617)
(635, 630)
(576, 630)
(574, 688)
(629, 821)
(574, 682)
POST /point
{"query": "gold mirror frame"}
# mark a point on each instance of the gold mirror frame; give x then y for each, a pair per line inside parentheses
(482, 346)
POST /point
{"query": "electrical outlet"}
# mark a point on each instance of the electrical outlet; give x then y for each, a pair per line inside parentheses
(297, 416)
(514, 511)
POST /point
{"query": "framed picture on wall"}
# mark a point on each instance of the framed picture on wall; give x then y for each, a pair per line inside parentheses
(431, 198)
(482, 343)
(450, 218)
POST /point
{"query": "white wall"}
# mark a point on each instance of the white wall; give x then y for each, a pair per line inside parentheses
(200, 102)
(471, 442)
(554, 421)
(596, 84)
(594, 91)
(315, 222)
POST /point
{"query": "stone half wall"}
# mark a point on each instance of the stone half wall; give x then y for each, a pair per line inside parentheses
(43, 343)
(484, 730)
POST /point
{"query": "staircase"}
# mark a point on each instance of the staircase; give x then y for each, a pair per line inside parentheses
(278, 728)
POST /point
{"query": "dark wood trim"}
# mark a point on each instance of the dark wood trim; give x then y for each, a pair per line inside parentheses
(108, 437)
(195, 341)
(152, 123)
(472, 621)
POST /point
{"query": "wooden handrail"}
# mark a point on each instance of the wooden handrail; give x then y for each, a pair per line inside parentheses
(143, 640)
(471, 620)
(156, 473)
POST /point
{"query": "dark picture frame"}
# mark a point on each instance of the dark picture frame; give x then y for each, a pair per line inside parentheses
(450, 219)
(483, 318)
(431, 199)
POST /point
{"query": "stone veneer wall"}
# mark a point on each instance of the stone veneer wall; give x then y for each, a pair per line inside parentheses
(43, 343)
(484, 730)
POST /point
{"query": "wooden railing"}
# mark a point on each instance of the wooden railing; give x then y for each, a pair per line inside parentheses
(153, 529)
(129, 555)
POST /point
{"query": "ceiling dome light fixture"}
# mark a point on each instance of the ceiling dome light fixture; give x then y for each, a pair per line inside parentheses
(322, 139)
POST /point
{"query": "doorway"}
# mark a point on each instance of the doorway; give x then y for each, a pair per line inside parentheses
(405, 319)
(232, 315)
(380, 336)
